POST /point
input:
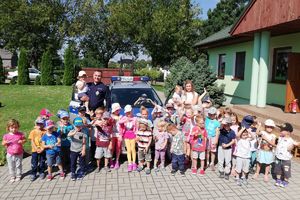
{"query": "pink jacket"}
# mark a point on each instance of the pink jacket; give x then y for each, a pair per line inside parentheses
(123, 126)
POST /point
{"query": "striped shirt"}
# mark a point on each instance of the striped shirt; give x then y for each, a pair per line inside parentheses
(144, 138)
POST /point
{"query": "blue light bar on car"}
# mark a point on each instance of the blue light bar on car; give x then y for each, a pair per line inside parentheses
(130, 78)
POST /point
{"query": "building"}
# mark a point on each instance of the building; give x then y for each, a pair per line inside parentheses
(9, 60)
(258, 57)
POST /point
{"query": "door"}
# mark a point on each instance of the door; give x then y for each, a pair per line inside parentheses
(293, 80)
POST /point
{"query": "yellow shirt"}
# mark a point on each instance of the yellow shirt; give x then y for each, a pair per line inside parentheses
(36, 136)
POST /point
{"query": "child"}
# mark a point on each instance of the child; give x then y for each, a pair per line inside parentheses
(265, 153)
(63, 129)
(198, 144)
(171, 115)
(144, 115)
(243, 155)
(13, 141)
(283, 156)
(161, 140)
(45, 114)
(225, 139)
(104, 132)
(116, 137)
(38, 155)
(52, 142)
(212, 127)
(128, 125)
(177, 149)
(144, 139)
(78, 148)
(82, 88)
(177, 94)
(206, 105)
(235, 127)
(187, 126)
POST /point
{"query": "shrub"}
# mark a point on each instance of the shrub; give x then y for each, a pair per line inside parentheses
(13, 81)
(2, 76)
(58, 80)
(37, 80)
(69, 71)
(23, 65)
(201, 75)
(154, 74)
(47, 69)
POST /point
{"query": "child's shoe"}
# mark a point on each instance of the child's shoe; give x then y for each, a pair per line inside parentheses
(194, 171)
(49, 177)
(62, 175)
(226, 176)
(156, 169)
(173, 172)
(117, 165)
(107, 169)
(148, 171)
(239, 182)
(33, 177)
(202, 172)
(212, 167)
(112, 164)
(17, 179)
(245, 181)
(278, 182)
(42, 176)
(12, 179)
(129, 168)
(221, 175)
(73, 177)
(283, 184)
(140, 168)
(182, 173)
(80, 177)
(134, 167)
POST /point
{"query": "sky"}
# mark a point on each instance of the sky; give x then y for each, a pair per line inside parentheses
(204, 5)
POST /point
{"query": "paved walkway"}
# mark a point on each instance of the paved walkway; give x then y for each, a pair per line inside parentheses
(123, 185)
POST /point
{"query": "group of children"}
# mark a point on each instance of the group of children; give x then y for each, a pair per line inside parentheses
(185, 131)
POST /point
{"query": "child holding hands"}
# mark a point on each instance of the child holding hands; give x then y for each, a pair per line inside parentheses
(161, 138)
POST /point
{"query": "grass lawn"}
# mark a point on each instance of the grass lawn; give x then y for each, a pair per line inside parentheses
(24, 104)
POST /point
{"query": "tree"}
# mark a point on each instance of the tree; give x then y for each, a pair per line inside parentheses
(201, 75)
(69, 72)
(23, 65)
(154, 74)
(166, 29)
(225, 14)
(35, 25)
(47, 69)
(2, 76)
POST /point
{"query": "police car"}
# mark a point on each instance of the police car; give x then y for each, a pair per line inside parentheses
(132, 90)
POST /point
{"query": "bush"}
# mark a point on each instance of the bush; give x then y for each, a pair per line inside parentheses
(69, 71)
(2, 76)
(13, 81)
(47, 69)
(23, 65)
(37, 80)
(58, 80)
(154, 74)
(201, 75)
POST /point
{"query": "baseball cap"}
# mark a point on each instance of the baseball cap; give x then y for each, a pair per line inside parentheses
(127, 109)
(270, 122)
(212, 111)
(286, 127)
(81, 73)
(64, 114)
(206, 99)
(227, 120)
(158, 109)
(45, 112)
(106, 115)
(39, 120)
(81, 108)
(247, 121)
(48, 124)
(115, 107)
(78, 121)
(59, 112)
(143, 121)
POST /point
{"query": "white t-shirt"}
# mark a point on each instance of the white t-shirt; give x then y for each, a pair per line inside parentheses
(282, 151)
(253, 142)
(81, 84)
(269, 136)
(243, 148)
(188, 97)
(176, 97)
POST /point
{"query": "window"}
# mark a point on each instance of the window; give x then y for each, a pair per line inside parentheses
(240, 58)
(221, 66)
(280, 64)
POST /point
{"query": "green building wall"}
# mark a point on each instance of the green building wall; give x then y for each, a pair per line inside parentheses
(238, 91)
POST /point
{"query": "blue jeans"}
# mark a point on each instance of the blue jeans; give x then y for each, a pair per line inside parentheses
(38, 163)
(74, 157)
(178, 162)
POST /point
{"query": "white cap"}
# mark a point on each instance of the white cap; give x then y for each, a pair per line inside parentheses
(127, 109)
(270, 122)
(81, 73)
(115, 107)
(212, 110)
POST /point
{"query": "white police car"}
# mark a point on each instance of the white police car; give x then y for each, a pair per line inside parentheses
(132, 90)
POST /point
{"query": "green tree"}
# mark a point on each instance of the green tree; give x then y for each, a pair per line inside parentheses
(201, 75)
(154, 74)
(166, 29)
(2, 76)
(47, 69)
(23, 65)
(35, 25)
(225, 14)
(69, 72)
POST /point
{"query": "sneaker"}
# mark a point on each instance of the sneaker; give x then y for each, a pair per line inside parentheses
(129, 168)
(62, 175)
(162, 169)
(173, 172)
(139, 169)
(12, 179)
(245, 181)
(117, 165)
(112, 164)
(278, 182)
(221, 175)
(49, 177)
(148, 171)
(73, 177)
(212, 167)
(251, 171)
(202, 172)
(182, 173)
(239, 182)
(80, 177)
(98, 170)
(107, 169)
(134, 167)
(17, 179)
(42, 176)
(226, 176)
(194, 171)
(33, 177)
(283, 184)
(156, 169)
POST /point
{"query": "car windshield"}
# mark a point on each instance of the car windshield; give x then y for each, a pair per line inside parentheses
(130, 96)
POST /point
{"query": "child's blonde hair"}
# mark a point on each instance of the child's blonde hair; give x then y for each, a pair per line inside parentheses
(99, 110)
(12, 122)
(143, 108)
(162, 124)
(178, 88)
(198, 119)
(171, 127)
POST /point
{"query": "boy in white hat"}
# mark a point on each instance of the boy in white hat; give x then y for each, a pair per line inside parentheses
(82, 89)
